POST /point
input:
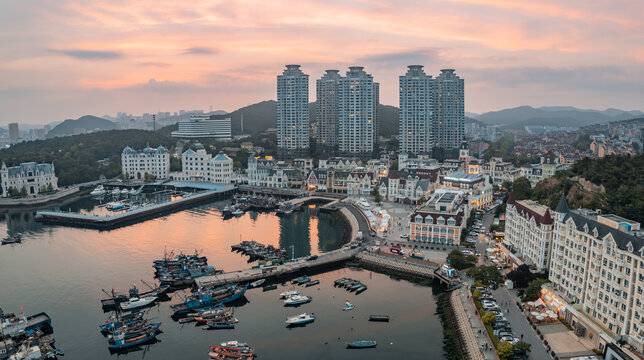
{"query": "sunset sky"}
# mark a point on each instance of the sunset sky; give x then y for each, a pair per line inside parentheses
(62, 58)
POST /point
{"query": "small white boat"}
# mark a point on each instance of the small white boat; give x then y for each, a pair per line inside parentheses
(125, 191)
(99, 191)
(257, 283)
(135, 302)
(300, 319)
(133, 191)
(288, 294)
(116, 191)
(238, 212)
(297, 300)
(349, 306)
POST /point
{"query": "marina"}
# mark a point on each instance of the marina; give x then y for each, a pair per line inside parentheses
(87, 260)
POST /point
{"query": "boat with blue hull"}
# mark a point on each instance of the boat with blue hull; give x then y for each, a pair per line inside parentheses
(124, 340)
(209, 298)
(117, 321)
(299, 320)
(361, 344)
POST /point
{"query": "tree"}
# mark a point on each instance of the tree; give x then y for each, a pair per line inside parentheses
(377, 197)
(148, 177)
(521, 188)
(460, 261)
(521, 348)
(476, 294)
(50, 187)
(23, 191)
(505, 351)
(13, 192)
(42, 189)
(489, 318)
(521, 276)
(533, 290)
(487, 275)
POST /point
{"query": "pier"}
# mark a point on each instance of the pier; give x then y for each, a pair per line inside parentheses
(103, 222)
(424, 269)
(276, 271)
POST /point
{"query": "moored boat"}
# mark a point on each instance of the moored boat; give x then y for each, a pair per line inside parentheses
(288, 294)
(98, 191)
(349, 306)
(312, 283)
(13, 239)
(297, 300)
(383, 318)
(300, 319)
(361, 344)
(135, 302)
(123, 340)
(257, 283)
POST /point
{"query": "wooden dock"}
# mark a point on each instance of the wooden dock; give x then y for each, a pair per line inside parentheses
(102, 222)
(423, 269)
(268, 272)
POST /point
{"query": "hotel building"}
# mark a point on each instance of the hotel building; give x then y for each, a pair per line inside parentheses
(441, 220)
(135, 164)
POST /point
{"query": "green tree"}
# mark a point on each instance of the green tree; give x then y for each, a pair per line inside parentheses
(13, 192)
(522, 348)
(521, 188)
(148, 177)
(505, 351)
(533, 290)
(487, 275)
(50, 187)
(422, 199)
(477, 294)
(23, 191)
(377, 197)
(42, 189)
(489, 318)
(459, 261)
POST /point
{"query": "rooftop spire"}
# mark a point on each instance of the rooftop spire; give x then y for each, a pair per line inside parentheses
(562, 207)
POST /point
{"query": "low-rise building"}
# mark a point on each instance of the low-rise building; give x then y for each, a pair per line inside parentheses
(154, 162)
(409, 187)
(30, 176)
(360, 183)
(198, 165)
(528, 232)
(597, 265)
(477, 187)
(441, 220)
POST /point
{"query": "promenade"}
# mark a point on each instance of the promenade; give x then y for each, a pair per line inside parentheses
(470, 326)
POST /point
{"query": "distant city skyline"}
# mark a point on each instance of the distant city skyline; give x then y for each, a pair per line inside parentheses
(65, 59)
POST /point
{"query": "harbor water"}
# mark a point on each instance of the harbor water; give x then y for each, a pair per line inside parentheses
(61, 271)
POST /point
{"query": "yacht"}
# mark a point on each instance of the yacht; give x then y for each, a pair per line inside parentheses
(297, 300)
(300, 319)
(288, 294)
(99, 191)
(133, 191)
(116, 191)
(125, 191)
(135, 302)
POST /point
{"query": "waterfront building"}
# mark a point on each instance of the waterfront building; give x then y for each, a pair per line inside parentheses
(198, 165)
(416, 111)
(449, 110)
(14, 132)
(409, 187)
(204, 126)
(597, 266)
(327, 108)
(292, 113)
(154, 162)
(477, 187)
(357, 103)
(360, 183)
(528, 232)
(441, 220)
(30, 176)
(258, 170)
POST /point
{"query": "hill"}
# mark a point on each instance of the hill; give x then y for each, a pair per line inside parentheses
(75, 157)
(87, 123)
(553, 115)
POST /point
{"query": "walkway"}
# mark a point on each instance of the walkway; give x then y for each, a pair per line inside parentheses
(474, 323)
(396, 263)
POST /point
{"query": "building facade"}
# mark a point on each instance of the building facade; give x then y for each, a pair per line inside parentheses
(292, 113)
(327, 108)
(449, 110)
(136, 164)
(14, 132)
(479, 191)
(357, 103)
(31, 177)
(597, 266)
(441, 220)
(528, 232)
(416, 111)
(202, 126)
(198, 165)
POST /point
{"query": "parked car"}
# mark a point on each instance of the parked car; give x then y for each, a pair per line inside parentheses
(312, 257)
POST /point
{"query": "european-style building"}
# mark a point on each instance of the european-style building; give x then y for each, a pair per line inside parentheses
(198, 165)
(30, 176)
(441, 220)
(135, 164)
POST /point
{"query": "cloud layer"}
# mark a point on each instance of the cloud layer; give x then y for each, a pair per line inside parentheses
(66, 58)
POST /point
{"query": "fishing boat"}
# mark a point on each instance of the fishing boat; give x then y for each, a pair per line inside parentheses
(98, 191)
(123, 340)
(349, 306)
(226, 352)
(361, 288)
(257, 283)
(209, 298)
(288, 294)
(117, 320)
(299, 279)
(355, 286)
(236, 345)
(312, 283)
(340, 282)
(13, 239)
(300, 319)
(297, 300)
(228, 323)
(381, 318)
(238, 212)
(361, 344)
(135, 302)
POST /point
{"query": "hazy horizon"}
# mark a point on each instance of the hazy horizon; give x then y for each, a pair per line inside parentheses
(65, 59)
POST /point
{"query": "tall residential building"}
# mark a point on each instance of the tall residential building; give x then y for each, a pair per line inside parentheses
(357, 102)
(292, 113)
(14, 132)
(327, 108)
(449, 110)
(416, 111)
